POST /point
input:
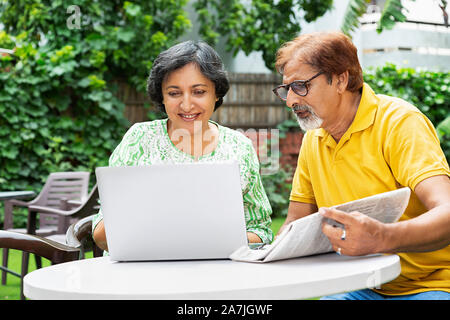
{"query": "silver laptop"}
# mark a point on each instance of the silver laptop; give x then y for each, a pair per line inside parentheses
(172, 211)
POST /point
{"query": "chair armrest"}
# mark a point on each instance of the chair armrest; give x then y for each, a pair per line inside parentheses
(42, 209)
(79, 231)
(46, 248)
(71, 238)
(19, 203)
(66, 204)
(9, 205)
(74, 203)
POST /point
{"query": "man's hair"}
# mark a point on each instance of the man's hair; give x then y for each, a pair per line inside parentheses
(330, 52)
(176, 57)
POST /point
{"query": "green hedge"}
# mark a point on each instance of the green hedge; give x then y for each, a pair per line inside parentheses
(427, 90)
(58, 104)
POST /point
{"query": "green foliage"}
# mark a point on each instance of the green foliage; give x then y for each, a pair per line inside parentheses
(443, 130)
(115, 38)
(355, 9)
(391, 14)
(278, 188)
(257, 25)
(427, 90)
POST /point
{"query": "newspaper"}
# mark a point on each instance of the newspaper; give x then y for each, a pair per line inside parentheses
(304, 237)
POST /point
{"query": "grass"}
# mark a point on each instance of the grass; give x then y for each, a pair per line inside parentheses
(11, 291)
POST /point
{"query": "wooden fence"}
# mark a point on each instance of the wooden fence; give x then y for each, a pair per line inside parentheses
(250, 103)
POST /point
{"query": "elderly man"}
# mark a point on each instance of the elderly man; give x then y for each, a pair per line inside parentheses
(357, 144)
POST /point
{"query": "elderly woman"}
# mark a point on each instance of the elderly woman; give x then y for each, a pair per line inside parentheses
(188, 83)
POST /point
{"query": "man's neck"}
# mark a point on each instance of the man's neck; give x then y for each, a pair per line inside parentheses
(347, 112)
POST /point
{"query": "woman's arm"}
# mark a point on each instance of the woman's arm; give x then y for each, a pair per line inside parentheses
(100, 236)
(256, 203)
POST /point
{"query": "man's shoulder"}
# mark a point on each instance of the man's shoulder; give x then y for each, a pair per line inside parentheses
(397, 114)
(394, 108)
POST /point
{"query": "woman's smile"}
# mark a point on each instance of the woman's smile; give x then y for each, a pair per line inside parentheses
(189, 117)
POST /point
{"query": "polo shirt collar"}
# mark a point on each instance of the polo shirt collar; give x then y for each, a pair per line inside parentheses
(365, 115)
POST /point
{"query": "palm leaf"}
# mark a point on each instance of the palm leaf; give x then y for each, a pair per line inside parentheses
(355, 9)
(392, 13)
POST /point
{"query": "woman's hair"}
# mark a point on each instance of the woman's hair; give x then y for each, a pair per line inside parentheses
(198, 52)
(330, 52)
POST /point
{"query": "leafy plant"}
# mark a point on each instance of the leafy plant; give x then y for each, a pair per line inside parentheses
(391, 14)
(428, 90)
(256, 25)
(278, 189)
(443, 130)
(355, 9)
(58, 104)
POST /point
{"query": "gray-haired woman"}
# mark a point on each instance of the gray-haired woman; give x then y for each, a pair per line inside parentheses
(188, 82)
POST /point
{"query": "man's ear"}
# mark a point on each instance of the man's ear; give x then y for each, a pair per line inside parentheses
(342, 81)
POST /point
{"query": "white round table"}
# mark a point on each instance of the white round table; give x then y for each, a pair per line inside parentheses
(307, 277)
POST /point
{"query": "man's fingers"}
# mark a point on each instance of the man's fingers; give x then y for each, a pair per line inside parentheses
(332, 232)
(337, 215)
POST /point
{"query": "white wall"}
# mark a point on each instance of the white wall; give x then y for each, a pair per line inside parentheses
(407, 44)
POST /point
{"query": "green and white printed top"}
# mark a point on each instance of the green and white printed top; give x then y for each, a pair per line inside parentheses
(148, 143)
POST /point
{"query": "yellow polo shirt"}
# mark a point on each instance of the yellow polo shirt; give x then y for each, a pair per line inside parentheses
(389, 145)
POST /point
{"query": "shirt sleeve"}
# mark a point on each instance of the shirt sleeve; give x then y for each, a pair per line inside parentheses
(257, 207)
(413, 150)
(302, 190)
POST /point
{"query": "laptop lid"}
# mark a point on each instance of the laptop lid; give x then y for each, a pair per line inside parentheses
(172, 211)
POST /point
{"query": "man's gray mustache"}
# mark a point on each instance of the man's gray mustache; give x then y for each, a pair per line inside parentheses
(301, 108)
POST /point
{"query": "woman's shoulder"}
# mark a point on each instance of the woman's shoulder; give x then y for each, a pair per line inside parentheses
(155, 127)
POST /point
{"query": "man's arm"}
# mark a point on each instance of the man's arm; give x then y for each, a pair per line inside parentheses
(296, 211)
(428, 232)
(431, 230)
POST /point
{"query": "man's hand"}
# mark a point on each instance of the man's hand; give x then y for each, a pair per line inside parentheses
(363, 235)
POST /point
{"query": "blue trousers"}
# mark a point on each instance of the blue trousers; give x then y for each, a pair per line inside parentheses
(368, 294)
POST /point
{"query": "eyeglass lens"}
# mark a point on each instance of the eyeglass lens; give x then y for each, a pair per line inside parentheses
(298, 87)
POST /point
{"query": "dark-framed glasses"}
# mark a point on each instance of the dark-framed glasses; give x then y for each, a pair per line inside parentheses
(300, 87)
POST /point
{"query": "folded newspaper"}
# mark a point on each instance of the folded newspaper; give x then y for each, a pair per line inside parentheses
(304, 237)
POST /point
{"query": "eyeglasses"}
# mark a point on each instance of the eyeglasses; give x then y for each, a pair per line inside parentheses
(300, 87)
